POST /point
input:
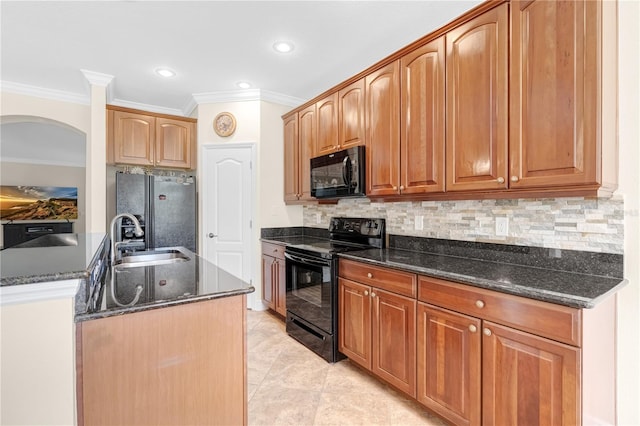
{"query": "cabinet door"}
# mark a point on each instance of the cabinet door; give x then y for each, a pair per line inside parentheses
(327, 139)
(351, 115)
(280, 286)
(291, 156)
(477, 90)
(528, 379)
(422, 119)
(267, 281)
(449, 364)
(382, 93)
(174, 143)
(354, 321)
(307, 141)
(393, 328)
(553, 92)
(134, 138)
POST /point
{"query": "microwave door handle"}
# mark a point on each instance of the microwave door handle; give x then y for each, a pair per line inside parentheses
(346, 172)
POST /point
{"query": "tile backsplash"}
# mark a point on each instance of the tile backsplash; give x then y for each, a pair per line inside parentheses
(586, 224)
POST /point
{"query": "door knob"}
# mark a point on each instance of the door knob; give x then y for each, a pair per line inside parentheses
(211, 235)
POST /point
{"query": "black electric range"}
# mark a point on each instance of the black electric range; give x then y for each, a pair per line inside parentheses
(312, 281)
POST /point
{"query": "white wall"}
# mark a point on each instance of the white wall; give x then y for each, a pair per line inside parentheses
(629, 178)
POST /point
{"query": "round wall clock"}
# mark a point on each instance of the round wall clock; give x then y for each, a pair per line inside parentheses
(224, 124)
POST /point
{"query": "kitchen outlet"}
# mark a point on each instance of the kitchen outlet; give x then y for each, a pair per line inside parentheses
(318, 217)
(419, 223)
(502, 226)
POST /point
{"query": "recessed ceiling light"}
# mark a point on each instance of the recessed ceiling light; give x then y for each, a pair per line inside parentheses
(283, 46)
(165, 72)
(243, 84)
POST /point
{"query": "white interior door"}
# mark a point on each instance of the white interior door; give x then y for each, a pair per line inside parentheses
(227, 208)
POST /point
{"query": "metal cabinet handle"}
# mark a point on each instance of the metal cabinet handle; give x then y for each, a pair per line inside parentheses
(369, 275)
(473, 328)
(373, 294)
(395, 188)
(366, 292)
(486, 332)
(480, 304)
(514, 178)
(401, 187)
(500, 179)
(211, 235)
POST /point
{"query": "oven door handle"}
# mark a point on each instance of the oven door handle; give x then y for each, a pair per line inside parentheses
(305, 260)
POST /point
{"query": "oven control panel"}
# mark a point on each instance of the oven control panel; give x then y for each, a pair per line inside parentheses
(371, 228)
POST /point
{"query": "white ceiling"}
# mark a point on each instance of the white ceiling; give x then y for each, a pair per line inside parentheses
(210, 44)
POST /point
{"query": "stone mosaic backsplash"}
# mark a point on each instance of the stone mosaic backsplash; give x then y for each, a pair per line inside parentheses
(576, 223)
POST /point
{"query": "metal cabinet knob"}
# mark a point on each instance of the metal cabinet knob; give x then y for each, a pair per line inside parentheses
(401, 187)
(473, 328)
(514, 178)
(369, 275)
(366, 292)
(486, 332)
(211, 235)
(500, 179)
(480, 304)
(373, 294)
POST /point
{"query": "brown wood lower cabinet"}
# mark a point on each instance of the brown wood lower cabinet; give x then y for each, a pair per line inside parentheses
(377, 328)
(274, 277)
(184, 364)
(476, 356)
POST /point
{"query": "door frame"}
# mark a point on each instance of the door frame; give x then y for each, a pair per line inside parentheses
(203, 173)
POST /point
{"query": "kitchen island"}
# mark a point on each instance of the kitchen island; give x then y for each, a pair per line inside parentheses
(150, 342)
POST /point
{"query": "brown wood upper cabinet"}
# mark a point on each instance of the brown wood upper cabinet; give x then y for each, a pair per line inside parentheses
(555, 76)
(299, 139)
(382, 94)
(327, 125)
(145, 139)
(422, 119)
(477, 99)
(351, 121)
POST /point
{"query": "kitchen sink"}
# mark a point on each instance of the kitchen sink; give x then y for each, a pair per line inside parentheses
(151, 258)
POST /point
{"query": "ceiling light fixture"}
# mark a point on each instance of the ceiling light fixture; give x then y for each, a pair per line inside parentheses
(165, 72)
(243, 85)
(283, 46)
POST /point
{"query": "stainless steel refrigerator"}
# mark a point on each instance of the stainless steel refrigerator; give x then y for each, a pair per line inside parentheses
(165, 206)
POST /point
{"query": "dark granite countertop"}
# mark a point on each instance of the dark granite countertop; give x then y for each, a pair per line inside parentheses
(560, 287)
(51, 258)
(135, 289)
(565, 277)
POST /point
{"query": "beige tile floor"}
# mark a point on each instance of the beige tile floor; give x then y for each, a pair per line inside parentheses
(290, 385)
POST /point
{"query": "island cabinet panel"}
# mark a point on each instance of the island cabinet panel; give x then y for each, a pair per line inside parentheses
(528, 379)
(307, 133)
(382, 94)
(477, 102)
(554, 86)
(449, 364)
(291, 156)
(422, 119)
(351, 121)
(134, 138)
(184, 364)
(327, 117)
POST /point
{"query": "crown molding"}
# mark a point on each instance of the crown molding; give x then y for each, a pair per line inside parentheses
(147, 107)
(246, 95)
(97, 78)
(41, 92)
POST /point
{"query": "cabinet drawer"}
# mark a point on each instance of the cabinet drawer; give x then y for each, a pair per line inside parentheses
(387, 279)
(556, 322)
(275, 250)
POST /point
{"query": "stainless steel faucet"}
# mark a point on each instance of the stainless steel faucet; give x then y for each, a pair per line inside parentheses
(138, 232)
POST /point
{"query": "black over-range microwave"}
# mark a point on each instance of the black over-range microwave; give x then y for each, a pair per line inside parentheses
(340, 174)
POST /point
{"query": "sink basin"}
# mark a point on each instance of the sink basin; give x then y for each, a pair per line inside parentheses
(151, 258)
